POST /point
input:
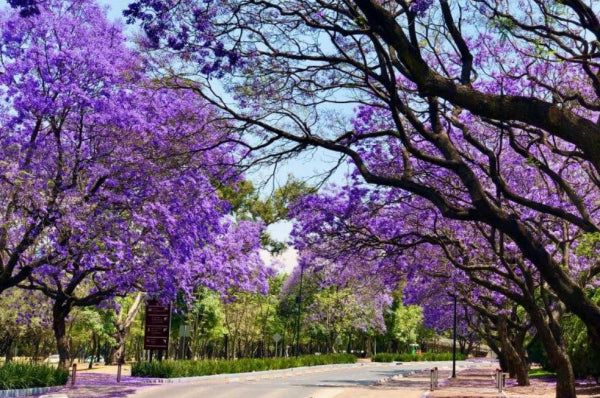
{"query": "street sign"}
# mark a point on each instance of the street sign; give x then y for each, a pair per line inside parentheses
(184, 331)
(158, 323)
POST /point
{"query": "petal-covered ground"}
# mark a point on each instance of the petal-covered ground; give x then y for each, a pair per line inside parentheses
(103, 385)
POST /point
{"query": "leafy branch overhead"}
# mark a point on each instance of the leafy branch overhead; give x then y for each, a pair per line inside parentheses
(247, 204)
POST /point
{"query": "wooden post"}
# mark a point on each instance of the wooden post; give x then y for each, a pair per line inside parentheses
(431, 377)
(118, 373)
(74, 374)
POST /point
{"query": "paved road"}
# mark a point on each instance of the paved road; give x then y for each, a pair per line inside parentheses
(322, 384)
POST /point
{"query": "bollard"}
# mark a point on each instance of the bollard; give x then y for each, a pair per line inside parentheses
(436, 377)
(499, 379)
(119, 373)
(496, 377)
(73, 374)
(431, 377)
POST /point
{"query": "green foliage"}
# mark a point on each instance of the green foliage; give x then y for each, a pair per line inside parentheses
(426, 356)
(537, 354)
(585, 360)
(336, 311)
(171, 369)
(541, 373)
(588, 245)
(247, 205)
(20, 375)
(206, 315)
(248, 318)
(407, 320)
(404, 323)
(504, 26)
(86, 320)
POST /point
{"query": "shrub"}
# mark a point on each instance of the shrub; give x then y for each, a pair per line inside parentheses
(171, 369)
(21, 375)
(426, 356)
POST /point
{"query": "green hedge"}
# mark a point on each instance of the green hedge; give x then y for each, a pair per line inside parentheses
(21, 375)
(171, 369)
(426, 356)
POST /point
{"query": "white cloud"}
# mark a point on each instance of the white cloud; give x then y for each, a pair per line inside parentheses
(282, 263)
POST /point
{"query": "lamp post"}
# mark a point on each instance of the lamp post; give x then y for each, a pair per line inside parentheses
(299, 303)
(454, 342)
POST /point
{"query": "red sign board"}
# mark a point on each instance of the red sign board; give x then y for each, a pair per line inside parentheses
(158, 324)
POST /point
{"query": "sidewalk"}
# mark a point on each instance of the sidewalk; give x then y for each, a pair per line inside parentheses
(414, 385)
(476, 382)
(471, 383)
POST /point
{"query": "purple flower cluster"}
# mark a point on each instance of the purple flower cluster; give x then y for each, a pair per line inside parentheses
(107, 177)
(421, 6)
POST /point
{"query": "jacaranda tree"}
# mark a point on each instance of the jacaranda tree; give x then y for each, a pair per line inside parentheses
(105, 177)
(440, 259)
(462, 104)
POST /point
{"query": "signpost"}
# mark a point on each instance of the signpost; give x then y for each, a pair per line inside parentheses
(276, 339)
(184, 332)
(158, 324)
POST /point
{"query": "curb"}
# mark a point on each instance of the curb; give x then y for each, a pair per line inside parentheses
(29, 391)
(385, 380)
(251, 376)
(396, 377)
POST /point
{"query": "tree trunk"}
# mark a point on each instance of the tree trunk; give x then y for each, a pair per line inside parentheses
(518, 342)
(36, 351)
(368, 345)
(594, 339)
(517, 365)
(60, 311)
(9, 348)
(95, 343)
(331, 336)
(99, 350)
(462, 345)
(551, 338)
(138, 350)
(565, 380)
(118, 354)
(122, 327)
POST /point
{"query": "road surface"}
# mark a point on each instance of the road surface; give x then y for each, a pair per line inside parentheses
(316, 384)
